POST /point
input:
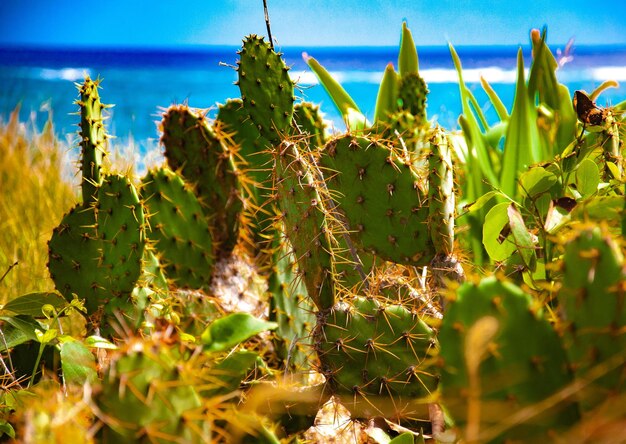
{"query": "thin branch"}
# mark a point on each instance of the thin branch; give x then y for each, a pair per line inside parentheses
(267, 23)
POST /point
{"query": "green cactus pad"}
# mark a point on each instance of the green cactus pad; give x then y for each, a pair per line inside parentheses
(290, 307)
(266, 88)
(413, 92)
(192, 148)
(441, 199)
(594, 302)
(382, 197)
(145, 398)
(309, 122)
(96, 251)
(304, 218)
(499, 356)
(377, 357)
(179, 230)
(93, 137)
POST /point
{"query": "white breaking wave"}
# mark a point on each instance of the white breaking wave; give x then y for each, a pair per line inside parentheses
(70, 74)
(492, 74)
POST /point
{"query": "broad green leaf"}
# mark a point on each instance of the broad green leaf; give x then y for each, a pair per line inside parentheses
(346, 106)
(521, 147)
(407, 57)
(536, 180)
(501, 110)
(522, 237)
(32, 303)
(498, 243)
(78, 363)
(405, 438)
(587, 177)
(609, 208)
(224, 333)
(387, 100)
(20, 329)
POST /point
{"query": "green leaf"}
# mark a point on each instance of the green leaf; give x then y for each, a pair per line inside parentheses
(32, 303)
(407, 56)
(536, 180)
(387, 100)
(342, 100)
(99, 342)
(20, 330)
(501, 110)
(497, 242)
(523, 239)
(587, 177)
(405, 438)
(6, 429)
(78, 363)
(224, 333)
(482, 201)
(521, 147)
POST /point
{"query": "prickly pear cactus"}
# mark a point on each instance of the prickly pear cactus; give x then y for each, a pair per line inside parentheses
(301, 201)
(147, 396)
(96, 252)
(441, 199)
(193, 148)
(498, 356)
(594, 309)
(412, 93)
(290, 307)
(266, 88)
(377, 357)
(178, 229)
(308, 121)
(383, 198)
(93, 137)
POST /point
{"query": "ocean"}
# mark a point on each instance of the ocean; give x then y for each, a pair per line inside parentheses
(141, 82)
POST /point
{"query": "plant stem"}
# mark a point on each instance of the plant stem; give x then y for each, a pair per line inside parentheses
(267, 23)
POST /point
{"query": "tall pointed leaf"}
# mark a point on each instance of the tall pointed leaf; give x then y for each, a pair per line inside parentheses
(407, 57)
(387, 99)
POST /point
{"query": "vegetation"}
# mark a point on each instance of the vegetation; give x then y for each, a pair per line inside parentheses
(461, 286)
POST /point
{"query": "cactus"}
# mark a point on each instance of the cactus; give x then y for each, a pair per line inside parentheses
(303, 213)
(412, 93)
(93, 137)
(308, 121)
(499, 357)
(377, 357)
(382, 196)
(289, 307)
(179, 230)
(192, 147)
(592, 297)
(96, 251)
(266, 89)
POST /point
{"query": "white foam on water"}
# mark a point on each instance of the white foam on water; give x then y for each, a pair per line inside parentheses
(70, 74)
(493, 75)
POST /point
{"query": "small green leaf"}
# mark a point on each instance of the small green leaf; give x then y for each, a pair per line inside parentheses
(523, 238)
(405, 438)
(497, 241)
(536, 180)
(482, 201)
(20, 330)
(31, 304)
(6, 429)
(99, 342)
(231, 371)
(224, 333)
(587, 177)
(78, 363)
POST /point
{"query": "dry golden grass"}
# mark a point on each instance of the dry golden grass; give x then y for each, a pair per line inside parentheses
(33, 197)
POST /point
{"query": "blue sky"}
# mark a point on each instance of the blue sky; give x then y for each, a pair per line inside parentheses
(307, 22)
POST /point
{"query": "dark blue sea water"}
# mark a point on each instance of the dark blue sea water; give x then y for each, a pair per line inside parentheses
(140, 82)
